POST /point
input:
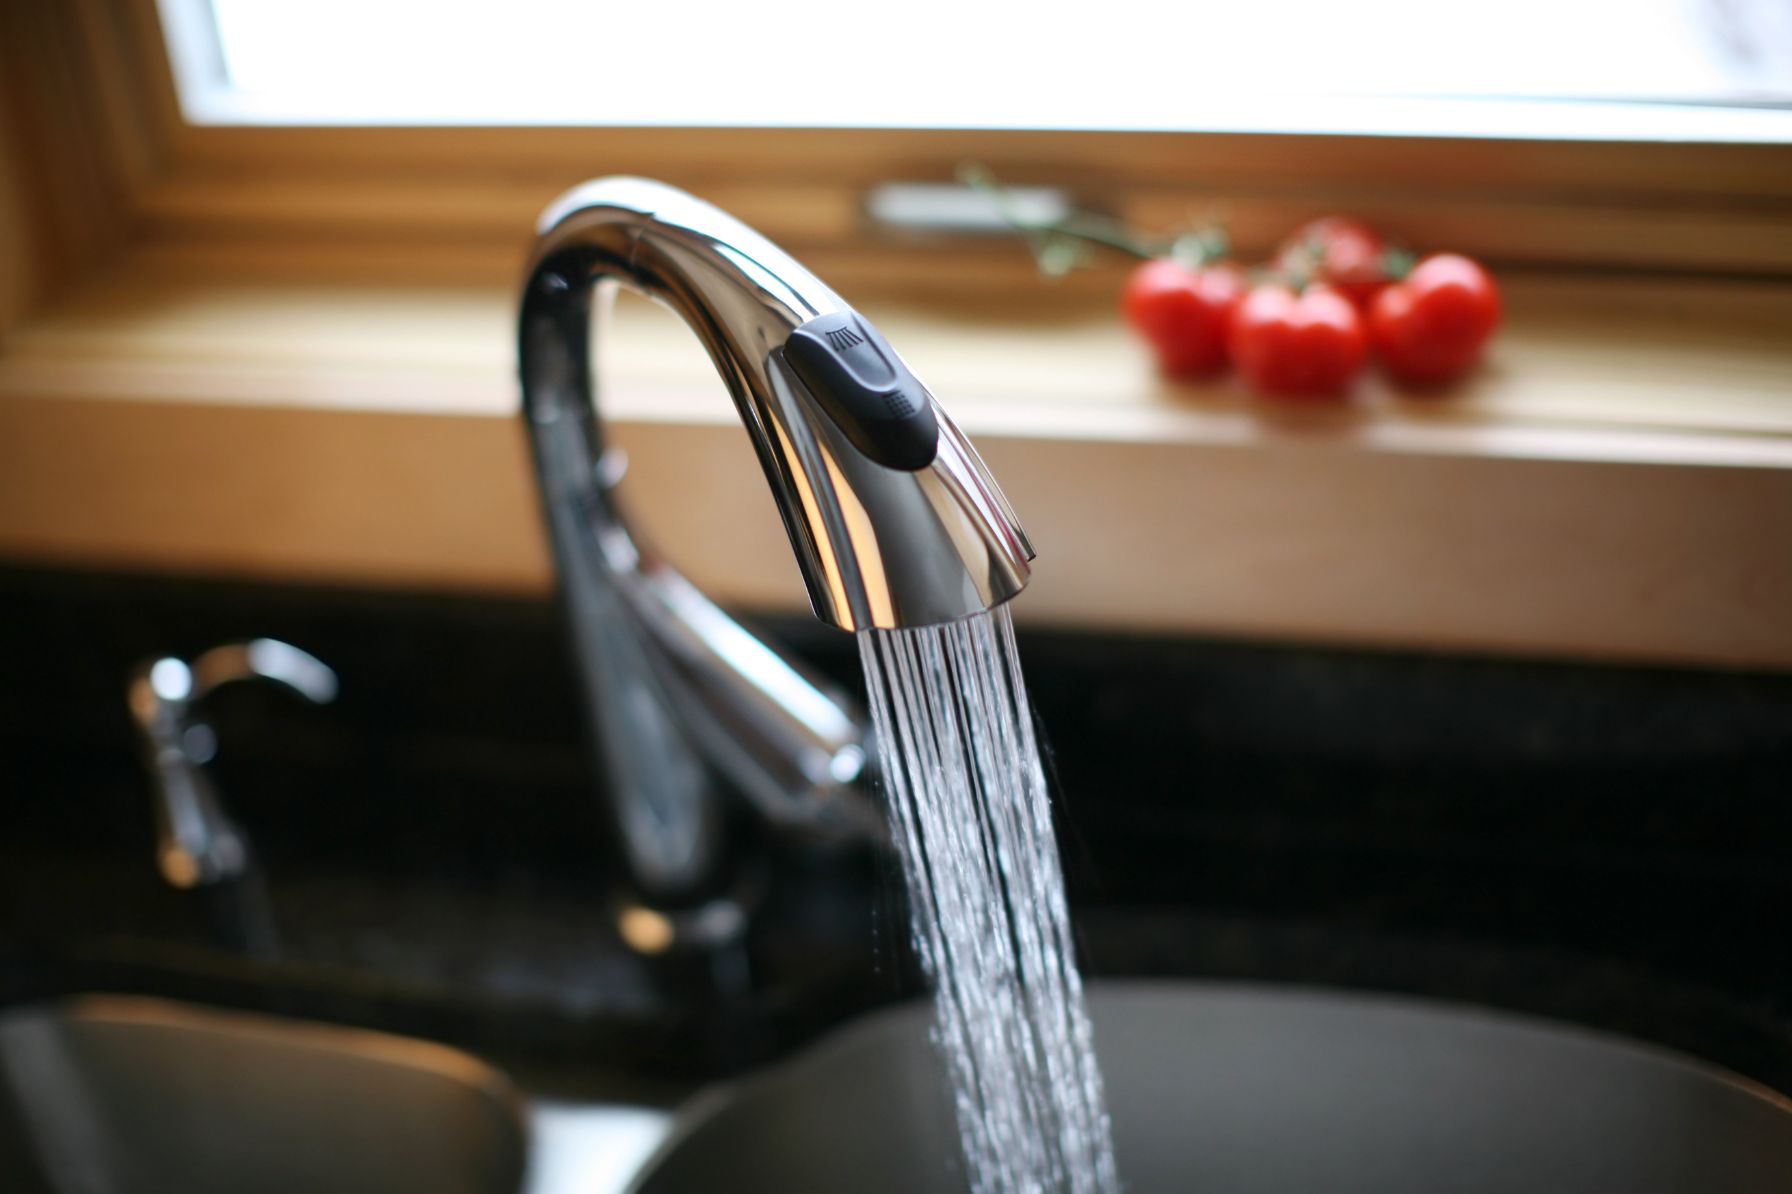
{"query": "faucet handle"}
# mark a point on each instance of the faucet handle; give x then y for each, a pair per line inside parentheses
(198, 844)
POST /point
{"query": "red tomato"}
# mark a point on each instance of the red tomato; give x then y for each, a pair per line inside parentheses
(1300, 345)
(1183, 312)
(1429, 328)
(1343, 252)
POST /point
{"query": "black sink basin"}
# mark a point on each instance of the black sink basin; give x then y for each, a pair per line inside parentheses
(1222, 1089)
(127, 1095)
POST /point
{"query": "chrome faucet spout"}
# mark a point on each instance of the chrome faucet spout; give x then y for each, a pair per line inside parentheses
(198, 843)
(892, 516)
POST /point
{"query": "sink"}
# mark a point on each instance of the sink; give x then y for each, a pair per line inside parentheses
(1236, 1089)
(122, 1095)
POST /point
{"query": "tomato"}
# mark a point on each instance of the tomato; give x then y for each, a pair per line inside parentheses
(1343, 252)
(1301, 345)
(1183, 312)
(1430, 327)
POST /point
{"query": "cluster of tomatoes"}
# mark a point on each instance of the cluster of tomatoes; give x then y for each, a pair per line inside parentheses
(1306, 325)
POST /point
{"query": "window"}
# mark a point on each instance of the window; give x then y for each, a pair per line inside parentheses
(257, 287)
(1629, 134)
(1607, 69)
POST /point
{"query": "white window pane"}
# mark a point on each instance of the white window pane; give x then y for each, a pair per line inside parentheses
(932, 63)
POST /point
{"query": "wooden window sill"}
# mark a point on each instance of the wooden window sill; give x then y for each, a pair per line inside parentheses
(1616, 482)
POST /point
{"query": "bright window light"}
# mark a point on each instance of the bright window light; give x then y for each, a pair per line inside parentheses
(1628, 69)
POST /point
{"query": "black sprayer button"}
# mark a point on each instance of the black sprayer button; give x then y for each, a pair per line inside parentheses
(866, 389)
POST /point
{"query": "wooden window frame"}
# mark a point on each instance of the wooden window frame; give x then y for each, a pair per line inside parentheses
(1392, 523)
(1716, 208)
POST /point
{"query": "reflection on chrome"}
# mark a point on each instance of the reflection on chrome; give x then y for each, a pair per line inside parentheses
(197, 842)
(892, 517)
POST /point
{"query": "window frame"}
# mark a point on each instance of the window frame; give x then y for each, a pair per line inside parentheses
(1717, 208)
(1672, 547)
(199, 60)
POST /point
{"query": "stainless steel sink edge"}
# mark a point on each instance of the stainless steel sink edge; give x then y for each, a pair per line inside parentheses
(1246, 1086)
(132, 1093)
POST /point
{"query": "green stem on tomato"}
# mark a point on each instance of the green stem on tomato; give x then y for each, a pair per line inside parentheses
(1101, 230)
(1295, 277)
(1045, 236)
(1196, 249)
(1396, 263)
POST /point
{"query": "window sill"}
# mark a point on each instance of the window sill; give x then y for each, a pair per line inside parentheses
(1617, 481)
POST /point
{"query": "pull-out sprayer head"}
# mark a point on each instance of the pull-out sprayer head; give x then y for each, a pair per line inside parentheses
(894, 519)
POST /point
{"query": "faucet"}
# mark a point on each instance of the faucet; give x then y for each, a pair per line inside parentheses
(894, 520)
(198, 845)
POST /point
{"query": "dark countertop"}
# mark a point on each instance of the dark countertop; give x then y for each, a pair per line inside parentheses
(1603, 844)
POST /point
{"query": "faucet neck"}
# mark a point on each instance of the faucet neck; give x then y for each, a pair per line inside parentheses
(892, 517)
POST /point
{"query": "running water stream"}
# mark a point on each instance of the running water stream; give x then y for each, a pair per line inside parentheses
(972, 821)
